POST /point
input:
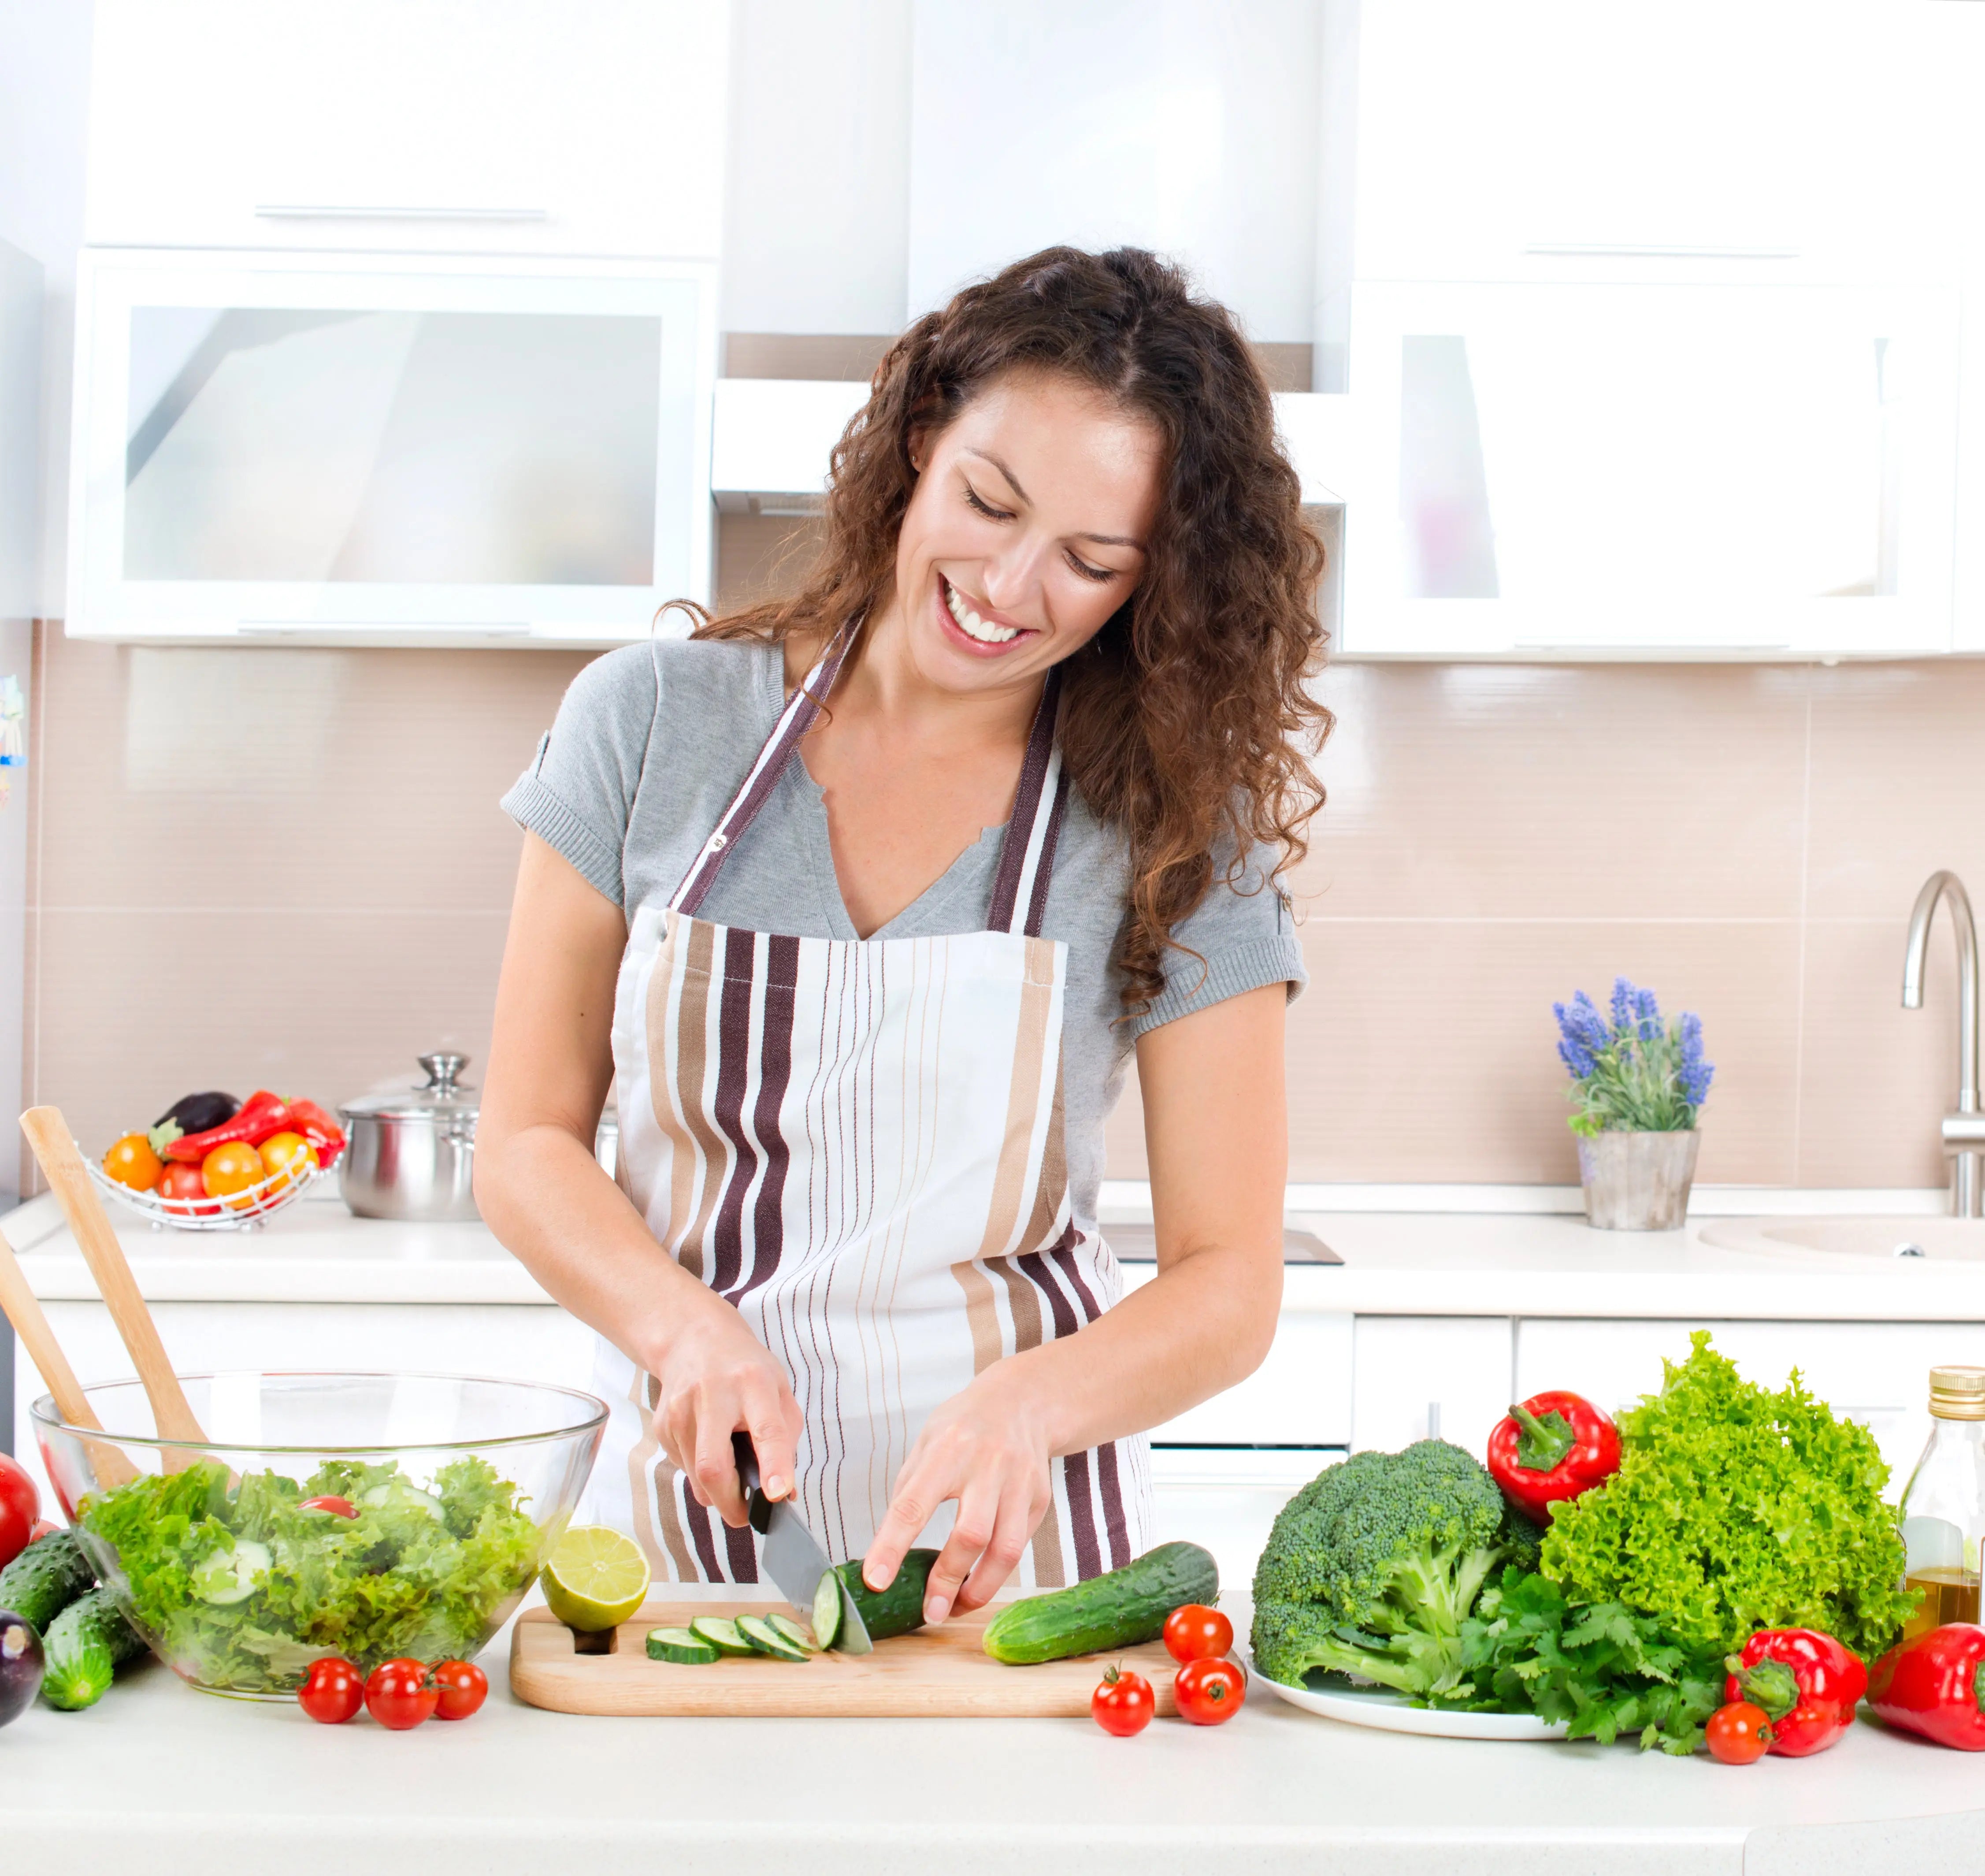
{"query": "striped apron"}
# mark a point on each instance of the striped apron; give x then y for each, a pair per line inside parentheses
(857, 1144)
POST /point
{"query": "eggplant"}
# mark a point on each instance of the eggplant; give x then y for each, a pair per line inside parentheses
(194, 1113)
(20, 1666)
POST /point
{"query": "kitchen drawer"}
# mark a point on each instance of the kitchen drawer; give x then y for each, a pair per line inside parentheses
(1426, 1377)
(532, 1343)
(1877, 1372)
(1300, 1396)
(1227, 1499)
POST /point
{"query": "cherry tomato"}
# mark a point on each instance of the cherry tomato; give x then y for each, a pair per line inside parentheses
(1738, 1734)
(231, 1169)
(400, 1694)
(1124, 1704)
(42, 1529)
(1197, 1633)
(182, 1189)
(332, 1502)
(20, 1506)
(464, 1687)
(333, 1690)
(1209, 1692)
(132, 1162)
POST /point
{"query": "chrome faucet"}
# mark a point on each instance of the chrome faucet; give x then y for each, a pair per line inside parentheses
(1962, 1132)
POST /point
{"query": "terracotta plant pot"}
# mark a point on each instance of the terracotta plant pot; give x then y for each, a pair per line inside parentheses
(1636, 1182)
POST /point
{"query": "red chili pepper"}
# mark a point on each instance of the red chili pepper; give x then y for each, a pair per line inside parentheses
(1935, 1685)
(1553, 1446)
(318, 1128)
(1808, 1683)
(262, 1114)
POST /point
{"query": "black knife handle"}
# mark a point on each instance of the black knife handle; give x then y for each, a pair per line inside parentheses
(757, 1507)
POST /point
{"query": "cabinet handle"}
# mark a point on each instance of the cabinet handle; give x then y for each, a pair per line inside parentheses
(341, 211)
(1639, 251)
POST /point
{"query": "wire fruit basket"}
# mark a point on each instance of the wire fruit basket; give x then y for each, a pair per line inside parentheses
(243, 1211)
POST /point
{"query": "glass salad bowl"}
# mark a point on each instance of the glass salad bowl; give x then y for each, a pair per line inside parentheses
(366, 1515)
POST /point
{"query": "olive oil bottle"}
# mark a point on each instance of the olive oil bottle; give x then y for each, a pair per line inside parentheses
(1944, 1504)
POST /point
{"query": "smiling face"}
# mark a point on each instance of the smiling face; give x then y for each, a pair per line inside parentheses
(1026, 533)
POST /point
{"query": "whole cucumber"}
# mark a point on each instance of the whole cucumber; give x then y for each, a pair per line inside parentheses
(1119, 1610)
(84, 1646)
(46, 1578)
(897, 1609)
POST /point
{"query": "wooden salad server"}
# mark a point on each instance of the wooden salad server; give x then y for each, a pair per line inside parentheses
(62, 1162)
(23, 1308)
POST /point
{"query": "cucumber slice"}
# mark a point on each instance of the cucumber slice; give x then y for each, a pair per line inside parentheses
(721, 1633)
(785, 1625)
(228, 1577)
(767, 1640)
(826, 1609)
(680, 1645)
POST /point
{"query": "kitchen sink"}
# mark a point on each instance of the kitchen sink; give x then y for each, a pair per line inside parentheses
(1941, 1238)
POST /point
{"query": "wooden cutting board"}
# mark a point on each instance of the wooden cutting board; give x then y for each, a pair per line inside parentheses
(934, 1671)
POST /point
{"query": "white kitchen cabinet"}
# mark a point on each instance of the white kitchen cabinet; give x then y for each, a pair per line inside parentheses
(1420, 1378)
(1877, 1372)
(1670, 470)
(502, 126)
(521, 1342)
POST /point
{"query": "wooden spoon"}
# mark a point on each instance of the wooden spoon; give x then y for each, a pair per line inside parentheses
(23, 1308)
(48, 1134)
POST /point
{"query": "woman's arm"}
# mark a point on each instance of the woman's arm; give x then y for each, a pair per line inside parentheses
(1216, 1130)
(544, 1194)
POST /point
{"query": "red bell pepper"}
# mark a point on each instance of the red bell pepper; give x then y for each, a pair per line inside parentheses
(1808, 1683)
(1935, 1685)
(319, 1129)
(1553, 1447)
(262, 1114)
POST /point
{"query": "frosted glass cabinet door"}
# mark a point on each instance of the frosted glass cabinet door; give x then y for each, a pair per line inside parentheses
(1661, 468)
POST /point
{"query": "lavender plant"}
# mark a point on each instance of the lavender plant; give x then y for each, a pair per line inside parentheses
(1634, 1072)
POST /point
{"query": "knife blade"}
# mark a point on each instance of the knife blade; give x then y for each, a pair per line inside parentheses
(793, 1559)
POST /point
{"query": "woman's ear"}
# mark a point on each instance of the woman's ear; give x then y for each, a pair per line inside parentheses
(918, 449)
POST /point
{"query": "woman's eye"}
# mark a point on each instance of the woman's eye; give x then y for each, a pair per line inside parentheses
(984, 507)
(1083, 567)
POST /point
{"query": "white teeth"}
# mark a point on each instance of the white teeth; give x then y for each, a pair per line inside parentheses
(972, 625)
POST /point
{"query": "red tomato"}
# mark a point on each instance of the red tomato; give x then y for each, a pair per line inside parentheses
(464, 1687)
(332, 1502)
(20, 1506)
(1124, 1704)
(333, 1690)
(183, 1190)
(1197, 1633)
(42, 1529)
(400, 1694)
(1738, 1734)
(1209, 1692)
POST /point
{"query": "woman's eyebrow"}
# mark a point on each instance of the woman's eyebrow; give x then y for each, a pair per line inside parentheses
(1013, 483)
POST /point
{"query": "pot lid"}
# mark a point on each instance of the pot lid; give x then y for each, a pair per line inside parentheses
(440, 1097)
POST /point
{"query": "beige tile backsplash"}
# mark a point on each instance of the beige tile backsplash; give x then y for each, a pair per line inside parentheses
(287, 866)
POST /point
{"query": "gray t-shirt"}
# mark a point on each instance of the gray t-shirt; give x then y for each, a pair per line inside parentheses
(653, 741)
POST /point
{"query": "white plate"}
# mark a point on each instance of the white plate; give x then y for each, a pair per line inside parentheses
(1392, 1713)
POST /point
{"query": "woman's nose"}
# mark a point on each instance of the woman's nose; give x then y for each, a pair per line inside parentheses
(1011, 579)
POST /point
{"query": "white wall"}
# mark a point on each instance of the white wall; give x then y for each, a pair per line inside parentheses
(44, 112)
(816, 218)
(1178, 125)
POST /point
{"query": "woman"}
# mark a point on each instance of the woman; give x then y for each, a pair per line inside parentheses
(868, 897)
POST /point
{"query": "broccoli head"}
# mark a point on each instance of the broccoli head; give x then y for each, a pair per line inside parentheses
(1372, 1567)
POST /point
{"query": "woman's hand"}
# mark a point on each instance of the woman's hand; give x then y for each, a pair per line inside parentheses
(716, 1377)
(988, 1447)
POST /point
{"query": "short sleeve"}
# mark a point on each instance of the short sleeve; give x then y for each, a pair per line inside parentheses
(578, 794)
(1240, 937)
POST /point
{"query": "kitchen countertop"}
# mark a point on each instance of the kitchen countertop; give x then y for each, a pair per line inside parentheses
(1395, 1263)
(161, 1779)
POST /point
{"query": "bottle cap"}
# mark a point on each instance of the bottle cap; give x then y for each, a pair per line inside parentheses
(1957, 1394)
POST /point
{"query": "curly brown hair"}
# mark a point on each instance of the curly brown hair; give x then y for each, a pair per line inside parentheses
(1190, 717)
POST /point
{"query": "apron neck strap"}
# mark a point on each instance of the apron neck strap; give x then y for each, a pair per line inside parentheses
(1026, 856)
(794, 720)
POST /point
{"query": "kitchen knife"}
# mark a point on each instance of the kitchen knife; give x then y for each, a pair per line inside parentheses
(793, 1560)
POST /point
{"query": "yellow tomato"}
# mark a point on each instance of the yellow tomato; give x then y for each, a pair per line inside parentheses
(291, 1154)
(132, 1162)
(231, 1169)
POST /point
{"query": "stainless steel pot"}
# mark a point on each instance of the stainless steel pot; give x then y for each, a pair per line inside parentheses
(411, 1155)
